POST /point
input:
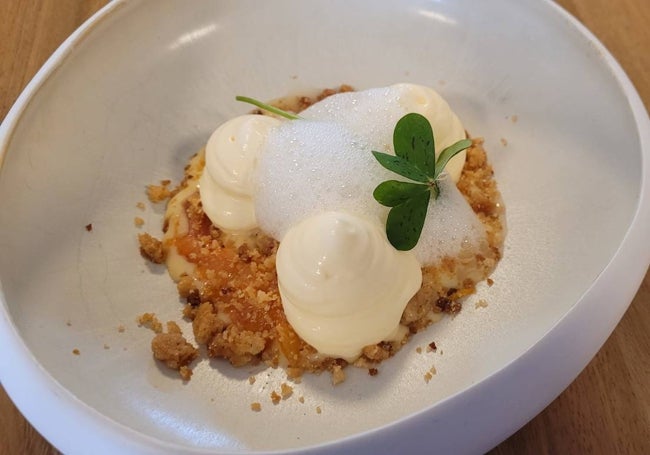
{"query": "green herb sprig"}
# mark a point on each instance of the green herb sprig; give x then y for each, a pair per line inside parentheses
(414, 159)
(268, 107)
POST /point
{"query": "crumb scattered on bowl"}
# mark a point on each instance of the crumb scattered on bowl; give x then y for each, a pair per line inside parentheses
(89, 227)
(482, 303)
(286, 390)
(429, 374)
(256, 407)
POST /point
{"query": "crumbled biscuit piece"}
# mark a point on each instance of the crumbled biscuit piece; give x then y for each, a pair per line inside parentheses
(151, 248)
(173, 350)
(482, 303)
(89, 227)
(429, 374)
(418, 350)
(158, 193)
(140, 205)
(251, 380)
(490, 282)
(301, 399)
(286, 390)
(139, 222)
(373, 371)
(256, 407)
(432, 346)
(185, 372)
(150, 321)
(121, 328)
(76, 351)
(275, 397)
(318, 410)
(338, 375)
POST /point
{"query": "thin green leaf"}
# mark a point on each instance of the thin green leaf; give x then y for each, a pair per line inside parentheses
(413, 141)
(268, 107)
(449, 153)
(392, 192)
(401, 166)
(405, 221)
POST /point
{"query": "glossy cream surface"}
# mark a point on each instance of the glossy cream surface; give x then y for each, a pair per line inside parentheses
(231, 156)
(343, 286)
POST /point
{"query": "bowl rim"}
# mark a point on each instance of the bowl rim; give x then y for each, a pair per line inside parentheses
(627, 267)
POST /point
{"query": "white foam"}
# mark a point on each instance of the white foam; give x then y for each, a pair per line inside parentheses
(325, 164)
(450, 226)
(310, 167)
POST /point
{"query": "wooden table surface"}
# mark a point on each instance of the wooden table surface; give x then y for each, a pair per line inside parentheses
(606, 410)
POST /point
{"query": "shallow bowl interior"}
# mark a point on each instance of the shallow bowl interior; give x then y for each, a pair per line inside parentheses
(139, 93)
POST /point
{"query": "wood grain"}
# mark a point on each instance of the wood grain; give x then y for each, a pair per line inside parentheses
(607, 408)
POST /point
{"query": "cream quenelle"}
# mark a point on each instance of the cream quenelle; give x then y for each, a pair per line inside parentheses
(227, 185)
(309, 182)
(343, 286)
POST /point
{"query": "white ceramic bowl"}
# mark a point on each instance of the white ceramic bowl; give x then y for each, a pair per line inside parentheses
(138, 89)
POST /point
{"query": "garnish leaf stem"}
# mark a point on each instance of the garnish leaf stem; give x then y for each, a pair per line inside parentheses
(449, 153)
(268, 107)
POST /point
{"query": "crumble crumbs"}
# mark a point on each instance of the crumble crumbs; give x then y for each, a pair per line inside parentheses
(301, 399)
(159, 193)
(275, 397)
(185, 372)
(151, 248)
(121, 329)
(482, 303)
(432, 347)
(318, 410)
(140, 205)
(251, 380)
(490, 282)
(150, 321)
(504, 141)
(418, 350)
(429, 374)
(76, 351)
(173, 350)
(139, 222)
(338, 375)
(106, 346)
(256, 407)
(286, 390)
(89, 227)
(373, 371)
